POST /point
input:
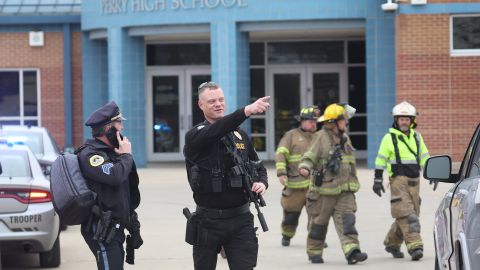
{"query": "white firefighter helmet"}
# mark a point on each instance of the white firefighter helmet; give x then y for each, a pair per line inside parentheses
(404, 109)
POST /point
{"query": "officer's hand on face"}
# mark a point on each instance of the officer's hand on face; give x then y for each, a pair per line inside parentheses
(259, 106)
(304, 172)
(124, 145)
(283, 179)
(259, 188)
(378, 186)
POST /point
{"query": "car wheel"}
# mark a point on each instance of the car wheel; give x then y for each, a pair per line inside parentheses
(51, 258)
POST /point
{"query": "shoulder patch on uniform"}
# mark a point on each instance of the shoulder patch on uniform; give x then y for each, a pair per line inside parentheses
(96, 160)
(200, 127)
(106, 167)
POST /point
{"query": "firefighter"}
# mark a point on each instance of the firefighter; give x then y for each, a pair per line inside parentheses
(402, 153)
(331, 161)
(292, 146)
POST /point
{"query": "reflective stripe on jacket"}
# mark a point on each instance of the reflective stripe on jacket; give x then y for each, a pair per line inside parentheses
(289, 152)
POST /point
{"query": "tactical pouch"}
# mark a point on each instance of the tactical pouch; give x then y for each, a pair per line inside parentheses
(235, 181)
(318, 175)
(195, 178)
(217, 179)
(191, 234)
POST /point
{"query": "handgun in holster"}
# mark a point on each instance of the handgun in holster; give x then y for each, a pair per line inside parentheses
(191, 233)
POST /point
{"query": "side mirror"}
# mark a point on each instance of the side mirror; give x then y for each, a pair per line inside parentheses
(439, 169)
(48, 170)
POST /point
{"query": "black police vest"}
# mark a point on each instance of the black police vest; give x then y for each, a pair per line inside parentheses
(215, 174)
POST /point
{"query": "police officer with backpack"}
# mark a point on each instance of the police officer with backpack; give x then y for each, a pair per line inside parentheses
(107, 164)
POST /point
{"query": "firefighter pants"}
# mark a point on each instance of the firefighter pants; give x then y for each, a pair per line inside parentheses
(342, 208)
(405, 208)
(293, 200)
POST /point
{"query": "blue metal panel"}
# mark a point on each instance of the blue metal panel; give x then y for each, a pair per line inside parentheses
(446, 8)
(94, 71)
(126, 66)
(67, 84)
(39, 19)
(303, 25)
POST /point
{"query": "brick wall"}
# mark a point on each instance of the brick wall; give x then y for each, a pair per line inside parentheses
(16, 53)
(77, 89)
(444, 89)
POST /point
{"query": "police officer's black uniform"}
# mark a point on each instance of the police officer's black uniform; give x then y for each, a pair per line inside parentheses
(223, 214)
(114, 179)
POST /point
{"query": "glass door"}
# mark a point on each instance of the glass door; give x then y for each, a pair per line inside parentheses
(165, 123)
(172, 105)
(326, 85)
(287, 91)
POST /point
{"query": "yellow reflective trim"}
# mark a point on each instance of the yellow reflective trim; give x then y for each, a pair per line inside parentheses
(294, 158)
(299, 184)
(287, 233)
(283, 150)
(350, 186)
(314, 251)
(349, 247)
(414, 245)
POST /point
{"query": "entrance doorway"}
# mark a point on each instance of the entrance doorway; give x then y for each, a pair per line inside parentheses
(293, 88)
(172, 108)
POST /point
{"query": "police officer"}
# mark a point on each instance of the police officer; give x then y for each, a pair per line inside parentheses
(402, 153)
(290, 149)
(331, 161)
(222, 216)
(106, 162)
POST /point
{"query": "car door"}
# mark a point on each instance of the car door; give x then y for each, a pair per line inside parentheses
(462, 202)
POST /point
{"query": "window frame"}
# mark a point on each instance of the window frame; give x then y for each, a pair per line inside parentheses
(461, 52)
(22, 118)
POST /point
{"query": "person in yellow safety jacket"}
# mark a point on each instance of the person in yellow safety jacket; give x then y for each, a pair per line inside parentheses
(402, 153)
(331, 161)
(290, 149)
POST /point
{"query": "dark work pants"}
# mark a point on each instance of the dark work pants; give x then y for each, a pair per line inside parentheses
(237, 236)
(108, 257)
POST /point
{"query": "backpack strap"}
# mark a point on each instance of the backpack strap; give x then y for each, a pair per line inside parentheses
(410, 149)
(395, 147)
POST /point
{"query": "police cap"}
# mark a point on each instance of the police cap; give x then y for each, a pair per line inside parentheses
(104, 115)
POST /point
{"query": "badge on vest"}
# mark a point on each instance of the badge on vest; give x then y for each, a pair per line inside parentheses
(237, 134)
(240, 146)
(96, 160)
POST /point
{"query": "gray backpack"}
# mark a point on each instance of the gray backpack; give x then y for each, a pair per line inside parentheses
(72, 198)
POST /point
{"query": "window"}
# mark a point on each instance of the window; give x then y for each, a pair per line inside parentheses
(465, 35)
(19, 97)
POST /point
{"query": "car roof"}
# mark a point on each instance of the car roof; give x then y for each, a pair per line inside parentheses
(23, 128)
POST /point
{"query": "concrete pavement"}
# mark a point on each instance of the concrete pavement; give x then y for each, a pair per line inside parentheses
(165, 192)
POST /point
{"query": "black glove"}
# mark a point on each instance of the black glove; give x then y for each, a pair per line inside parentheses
(135, 239)
(134, 229)
(378, 186)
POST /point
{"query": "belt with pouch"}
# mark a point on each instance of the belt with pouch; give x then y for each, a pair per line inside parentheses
(222, 213)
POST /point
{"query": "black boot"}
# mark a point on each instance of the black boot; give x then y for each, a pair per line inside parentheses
(356, 256)
(316, 259)
(395, 251)
(285, 241)
(417, 254)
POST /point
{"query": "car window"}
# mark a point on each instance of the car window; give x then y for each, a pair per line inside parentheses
(34, 140)
(14, 164)
(471, 164)
(54, 143)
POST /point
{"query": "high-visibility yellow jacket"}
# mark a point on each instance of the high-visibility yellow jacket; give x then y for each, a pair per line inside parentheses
(386, 158)
(290, 149)
(345, 180)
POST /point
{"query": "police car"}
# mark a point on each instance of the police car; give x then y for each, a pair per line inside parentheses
(28, 222)
(39, 140)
